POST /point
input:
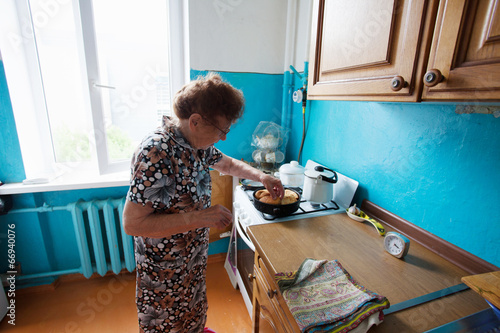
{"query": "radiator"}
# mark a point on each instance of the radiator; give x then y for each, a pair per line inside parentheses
(102, 243)
(90, 217)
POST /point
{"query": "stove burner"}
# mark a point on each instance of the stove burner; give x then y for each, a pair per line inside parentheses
(305, 208)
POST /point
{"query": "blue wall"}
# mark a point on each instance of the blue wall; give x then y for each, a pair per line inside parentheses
(11, 168)
(423, 162)
(46, 241)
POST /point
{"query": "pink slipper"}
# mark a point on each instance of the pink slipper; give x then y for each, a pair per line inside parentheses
(208, 330)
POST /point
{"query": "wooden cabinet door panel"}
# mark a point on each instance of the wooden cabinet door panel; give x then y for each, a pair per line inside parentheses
(466, 51)
(359, 47)
(222, 193)
(266, 319)
(278, 302)
(352, 39)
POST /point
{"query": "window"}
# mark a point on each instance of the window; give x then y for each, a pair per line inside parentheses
(88, 79)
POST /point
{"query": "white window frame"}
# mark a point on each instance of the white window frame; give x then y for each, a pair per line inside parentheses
(18, 52)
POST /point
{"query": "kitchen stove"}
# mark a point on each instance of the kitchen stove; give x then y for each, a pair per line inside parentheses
(306, 207)
(240, 256)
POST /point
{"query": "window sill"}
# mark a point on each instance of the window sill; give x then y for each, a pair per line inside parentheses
(71, 181)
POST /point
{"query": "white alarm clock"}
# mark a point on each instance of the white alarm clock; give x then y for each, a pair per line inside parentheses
(396, 244)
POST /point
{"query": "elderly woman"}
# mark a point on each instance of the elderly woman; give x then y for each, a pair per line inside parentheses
(168, 206)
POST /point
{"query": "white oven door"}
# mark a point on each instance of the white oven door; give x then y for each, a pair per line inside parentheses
(240, 257)
(237, 236)
(240, 226)
(231, 257)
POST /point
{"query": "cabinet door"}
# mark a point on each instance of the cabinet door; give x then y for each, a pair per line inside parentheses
(280, 309)
(465, 51)
(270, 312)
(368, 50)
(265, 320)
(222, 193)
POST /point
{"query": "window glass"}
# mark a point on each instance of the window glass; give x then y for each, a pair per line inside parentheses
(63, 83)
(132, 49)
(89, 78)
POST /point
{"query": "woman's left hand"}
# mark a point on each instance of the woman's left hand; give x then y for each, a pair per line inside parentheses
(274, 186)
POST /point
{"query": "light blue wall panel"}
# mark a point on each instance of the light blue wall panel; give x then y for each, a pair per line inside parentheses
(29, 240)
(11, 165)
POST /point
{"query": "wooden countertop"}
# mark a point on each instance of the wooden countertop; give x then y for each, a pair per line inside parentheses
(359, 248)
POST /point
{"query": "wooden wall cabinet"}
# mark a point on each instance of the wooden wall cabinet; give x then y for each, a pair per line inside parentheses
(465, 51)
(406, 51)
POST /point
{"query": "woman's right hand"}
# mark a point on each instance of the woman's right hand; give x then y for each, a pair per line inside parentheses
(216, 216)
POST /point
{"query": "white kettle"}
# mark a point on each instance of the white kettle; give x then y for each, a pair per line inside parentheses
(318, 184)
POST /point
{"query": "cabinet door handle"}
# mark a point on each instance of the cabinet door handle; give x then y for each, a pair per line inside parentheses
(251, 277)
(433, 77)
(398, 83)
(271, 293)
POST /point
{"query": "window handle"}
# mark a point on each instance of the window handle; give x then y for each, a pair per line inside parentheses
(97, 85)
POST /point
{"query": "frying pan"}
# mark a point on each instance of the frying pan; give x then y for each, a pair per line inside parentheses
(276, 210)
(248, 184)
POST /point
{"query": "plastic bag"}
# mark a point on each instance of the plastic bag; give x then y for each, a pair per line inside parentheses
(269, 135)
(270, 140)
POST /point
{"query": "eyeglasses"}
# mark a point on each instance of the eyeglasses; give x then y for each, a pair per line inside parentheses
(222, 132)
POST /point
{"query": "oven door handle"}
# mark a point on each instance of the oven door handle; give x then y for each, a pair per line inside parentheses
(243, 235)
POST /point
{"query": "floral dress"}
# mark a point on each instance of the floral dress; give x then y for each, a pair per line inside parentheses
(173, 178)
